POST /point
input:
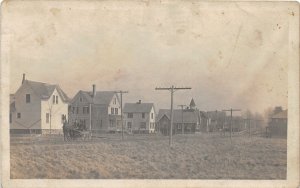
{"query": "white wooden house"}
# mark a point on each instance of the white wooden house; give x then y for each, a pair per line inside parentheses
(38, 108)
(139, 117)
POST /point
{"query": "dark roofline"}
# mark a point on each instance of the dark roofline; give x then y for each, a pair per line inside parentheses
(90, 98)
(65, 98)
(282, 113)
(141, 104)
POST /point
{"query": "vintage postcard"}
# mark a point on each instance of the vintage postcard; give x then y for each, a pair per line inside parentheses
(149, 93)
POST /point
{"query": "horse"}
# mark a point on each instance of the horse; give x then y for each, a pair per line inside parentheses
(67, 130)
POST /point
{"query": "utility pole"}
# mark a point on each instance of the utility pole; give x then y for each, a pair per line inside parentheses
(231, 110)
(182, 127)
(172, 89)
(121, 96)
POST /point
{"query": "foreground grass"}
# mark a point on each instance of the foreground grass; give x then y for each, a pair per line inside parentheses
(149, 157)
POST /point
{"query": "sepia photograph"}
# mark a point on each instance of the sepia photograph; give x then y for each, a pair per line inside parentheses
(153, 93)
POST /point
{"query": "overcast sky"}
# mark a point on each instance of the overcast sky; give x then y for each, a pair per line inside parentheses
(232, 55)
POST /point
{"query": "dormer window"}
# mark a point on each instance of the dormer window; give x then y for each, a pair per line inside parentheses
(56, 99)
(53, 99)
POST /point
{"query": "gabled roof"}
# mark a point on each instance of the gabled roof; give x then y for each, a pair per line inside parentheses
(102, 97)
(188, 116)
(138, 107)
(280, 115)
(44, 90)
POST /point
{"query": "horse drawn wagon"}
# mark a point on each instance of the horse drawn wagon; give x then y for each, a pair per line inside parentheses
(75, 131)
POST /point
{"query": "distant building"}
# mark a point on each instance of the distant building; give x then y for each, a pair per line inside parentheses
(215, 121)
(37, 108)
(278, 123)
(99, 111)
(139, 117)
(184, 121)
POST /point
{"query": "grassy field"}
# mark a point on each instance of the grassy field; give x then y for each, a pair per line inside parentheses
(196, 156)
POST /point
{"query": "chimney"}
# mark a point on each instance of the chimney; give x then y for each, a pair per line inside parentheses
(23, 80)
(94, 91)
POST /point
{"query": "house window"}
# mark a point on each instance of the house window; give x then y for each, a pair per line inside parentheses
(10, 118)
(143, 125)
(129, 125)
(116, 111)
(130, 115)
(86, 110)
(53, 99)
(73, 110)
(179, 126)
(56, 99)
(47, 117)
(151, 115)
(18, 115)
(143, 115)
(27, 98)
(101, 123)
(112, 110)
(80, 99)
(77, 110)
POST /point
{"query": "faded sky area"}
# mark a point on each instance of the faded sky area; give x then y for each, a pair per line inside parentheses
(232, 55)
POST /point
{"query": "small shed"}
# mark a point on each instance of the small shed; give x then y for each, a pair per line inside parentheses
(278, 124)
